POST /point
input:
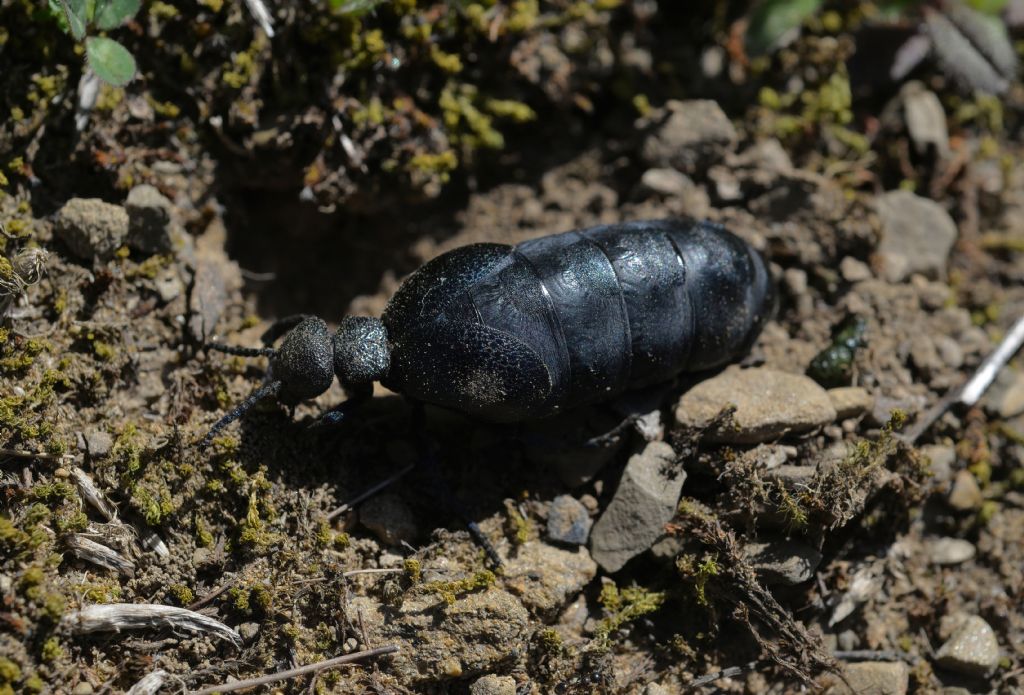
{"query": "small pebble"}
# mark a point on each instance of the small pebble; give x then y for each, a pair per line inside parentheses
(248, 631)
(875, 677)
(783, 562)
(98, 443)
(950, 551)
(972, 650)
(568, 521)
(942, 458)
(644, 502)
(917, 235)
(92, 229)
(389, 518)
(83, 688)
(493, 685)
(853, 270)
(666, 181)
(150, 228)
(850, 401)
(965, 494)
(655, 689)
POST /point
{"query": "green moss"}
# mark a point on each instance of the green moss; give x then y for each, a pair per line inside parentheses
(53, 606)
(413, 570)
(449, 62)
(126, 453)
(448, 591)
(154, 506)
(162, 10)
(71, 521)
(513, 110)
(51, 650)
(262, 598)
(33, 684)
(12, 538)
(10, 672)
(625, 605)
(989, 508)
(56, 491)
(518, 525)
(182, 594)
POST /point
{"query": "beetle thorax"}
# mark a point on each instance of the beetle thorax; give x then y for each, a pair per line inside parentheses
(362, 353)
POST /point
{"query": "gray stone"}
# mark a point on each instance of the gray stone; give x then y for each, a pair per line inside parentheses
(689, 135)
(248, 631)
(644, 502)
(667, 181)
(783, 562)
(850, 401)
(971, 650)
(965, 494)
(568, 521)
(389, 518)
(494, 685)
(949, 551)
(546, 578)
(875, 677)
(83, 688)
(768, 404)
(917, 235)
(98, 443)
(854, 270)
(92, 229)
(150, 223)
(942, 458)
(1006, 396)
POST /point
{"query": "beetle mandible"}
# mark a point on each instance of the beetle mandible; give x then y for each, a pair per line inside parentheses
(510, 333)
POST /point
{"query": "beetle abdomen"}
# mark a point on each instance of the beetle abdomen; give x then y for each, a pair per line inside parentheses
(584, 315)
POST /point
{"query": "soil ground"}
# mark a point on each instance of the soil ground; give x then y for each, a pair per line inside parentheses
(102, 371)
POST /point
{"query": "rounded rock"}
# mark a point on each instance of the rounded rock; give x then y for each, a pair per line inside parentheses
(568, 521)
(972, 650)
(92, 229)
(494, 685)
(768, 404)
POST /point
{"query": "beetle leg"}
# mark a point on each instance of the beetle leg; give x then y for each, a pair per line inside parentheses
(281, 326)
(442, 491)
(339, 413)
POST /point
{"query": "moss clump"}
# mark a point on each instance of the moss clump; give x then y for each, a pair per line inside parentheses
(448, 591)
(53, 606)
(698, 572)
(625, 605)
(10, 672)
(517, 526)
(413, 570)
(182, 594)
(51, 650)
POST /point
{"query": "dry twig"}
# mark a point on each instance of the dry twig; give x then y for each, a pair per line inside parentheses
(297, 672)
(115, 617)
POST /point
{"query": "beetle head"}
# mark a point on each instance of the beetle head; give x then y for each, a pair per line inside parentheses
(362, 354)
(304, 363)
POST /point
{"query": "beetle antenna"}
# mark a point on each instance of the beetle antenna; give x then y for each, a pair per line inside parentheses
(239, 350)
(271, 389)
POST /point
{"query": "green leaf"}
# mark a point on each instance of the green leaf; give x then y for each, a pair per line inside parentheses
(772, 20)
(111, 61)
(113, 13)
(74, 14)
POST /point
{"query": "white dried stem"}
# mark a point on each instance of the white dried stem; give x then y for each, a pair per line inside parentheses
(150, 683)
(89, 550)
(115, 617)
(262, 16)
(91, 494)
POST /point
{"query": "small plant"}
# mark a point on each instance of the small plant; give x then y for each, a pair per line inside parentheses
(967, 38)
(110, 60)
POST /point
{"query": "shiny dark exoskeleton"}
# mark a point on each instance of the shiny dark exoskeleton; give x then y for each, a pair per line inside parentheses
(510, 333)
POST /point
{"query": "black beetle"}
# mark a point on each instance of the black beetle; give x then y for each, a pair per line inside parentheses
(510, 333)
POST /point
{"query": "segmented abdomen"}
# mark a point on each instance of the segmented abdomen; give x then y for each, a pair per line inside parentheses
(632, 304)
